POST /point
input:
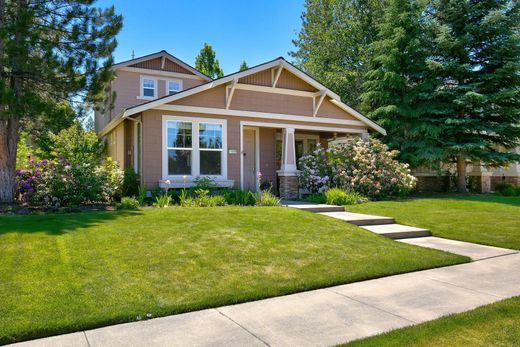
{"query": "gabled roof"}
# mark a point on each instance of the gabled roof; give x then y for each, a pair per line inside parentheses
(161, 54)
(278, 62)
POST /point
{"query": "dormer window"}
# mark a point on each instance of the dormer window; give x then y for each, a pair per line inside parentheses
(173, 86)
(148, 88)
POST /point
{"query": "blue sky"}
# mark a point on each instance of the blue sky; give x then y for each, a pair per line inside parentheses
(255, 31)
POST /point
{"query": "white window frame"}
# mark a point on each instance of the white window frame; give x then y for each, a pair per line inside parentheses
(141, 88)
(167, 86)
(195, 157)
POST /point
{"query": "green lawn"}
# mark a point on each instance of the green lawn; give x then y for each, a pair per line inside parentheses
(66, 272)
(497, 324)
(490, 220)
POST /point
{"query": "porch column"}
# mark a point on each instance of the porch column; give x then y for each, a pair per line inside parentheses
(288, 172)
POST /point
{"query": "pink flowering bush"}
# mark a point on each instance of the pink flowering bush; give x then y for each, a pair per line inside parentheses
(366, 167)
(58, 183)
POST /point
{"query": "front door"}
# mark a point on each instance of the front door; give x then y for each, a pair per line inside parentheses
(249, 159)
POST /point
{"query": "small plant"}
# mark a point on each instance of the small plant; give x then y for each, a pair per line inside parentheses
(130, 182)
(240, 197)
(507, 189)
(316, 198)
(337, 196)
(128, 203)
(162, 201)
(266, 198)
(141, 195)
(203, 182)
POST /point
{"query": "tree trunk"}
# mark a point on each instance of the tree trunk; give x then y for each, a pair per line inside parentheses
(461, 175)
(8, 143)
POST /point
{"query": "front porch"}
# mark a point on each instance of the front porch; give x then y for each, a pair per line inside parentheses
(270, 153)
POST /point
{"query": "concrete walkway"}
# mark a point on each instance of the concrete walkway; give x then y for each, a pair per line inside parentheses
(323, 317)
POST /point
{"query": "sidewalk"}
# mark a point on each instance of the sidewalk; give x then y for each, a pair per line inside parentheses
(321, 317)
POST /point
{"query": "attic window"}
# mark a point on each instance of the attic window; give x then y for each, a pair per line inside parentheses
(173, 86)
(148, 88)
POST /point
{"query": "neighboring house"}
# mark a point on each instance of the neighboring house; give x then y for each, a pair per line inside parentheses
(173, 124)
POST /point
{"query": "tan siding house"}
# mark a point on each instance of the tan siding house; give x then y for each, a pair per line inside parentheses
(260, 120)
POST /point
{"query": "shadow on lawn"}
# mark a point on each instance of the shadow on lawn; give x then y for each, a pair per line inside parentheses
(58, 223)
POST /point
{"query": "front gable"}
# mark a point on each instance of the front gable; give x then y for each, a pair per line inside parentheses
(162, 64)
(274, 90)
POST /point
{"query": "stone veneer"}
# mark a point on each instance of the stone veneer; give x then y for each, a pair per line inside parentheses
(288, 187)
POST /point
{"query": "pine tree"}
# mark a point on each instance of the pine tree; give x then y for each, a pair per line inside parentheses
(397, 85)
(243, 66)
(49, 51)
(333, 41)
(477, 66)
(207, 63)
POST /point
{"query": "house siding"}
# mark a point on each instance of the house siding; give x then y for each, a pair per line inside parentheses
(152, 144)
(127, 85)
(156, 64)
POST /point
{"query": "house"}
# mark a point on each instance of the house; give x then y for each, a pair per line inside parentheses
(172, 124)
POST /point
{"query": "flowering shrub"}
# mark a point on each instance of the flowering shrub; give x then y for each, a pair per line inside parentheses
(58, 183)
(366, 167)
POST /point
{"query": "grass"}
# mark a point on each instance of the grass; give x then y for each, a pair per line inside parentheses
(489, 220)
(497, 324)
(63, 273)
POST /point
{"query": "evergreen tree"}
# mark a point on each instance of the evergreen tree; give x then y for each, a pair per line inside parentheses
(397, 86)
(49, 51)
(477, 66)
(243, 66)
(333, 41)
(207, 63)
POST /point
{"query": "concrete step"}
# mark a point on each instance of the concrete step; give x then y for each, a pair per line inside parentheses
(310, 207)
(359, 219)
(397, 231)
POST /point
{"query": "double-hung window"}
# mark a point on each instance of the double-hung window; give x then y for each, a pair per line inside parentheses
(148, 87)
(173, 86)
(210, 147)
(180, 149)
(195, 147)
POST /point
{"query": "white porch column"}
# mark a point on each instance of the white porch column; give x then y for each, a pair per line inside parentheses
(288, 172)
(288, 152)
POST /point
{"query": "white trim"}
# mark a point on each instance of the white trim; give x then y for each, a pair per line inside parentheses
(278, 73)
(317, 107)
(167, 85)
(180, 183)
(141, 87)
(195, 164)
(272, 90)
(254, 114)
(161, 73)
(230, 92)
(304, 127)
(359, 116)
(257, 154)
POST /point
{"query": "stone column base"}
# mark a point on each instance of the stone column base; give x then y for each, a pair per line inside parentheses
(288, 186)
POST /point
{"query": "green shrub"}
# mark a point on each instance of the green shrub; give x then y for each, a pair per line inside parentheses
(162, 201)
(367, 167)
(128, 203)
(266, 198)
(202, 198)
(59, 184)
(130, 182)
(240, 197)
(141, 195)
(205, 183)
(315, 198)
(507, 189)
(337, 196)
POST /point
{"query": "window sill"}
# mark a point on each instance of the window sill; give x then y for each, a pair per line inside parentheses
(139, 97)
(174, 183)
